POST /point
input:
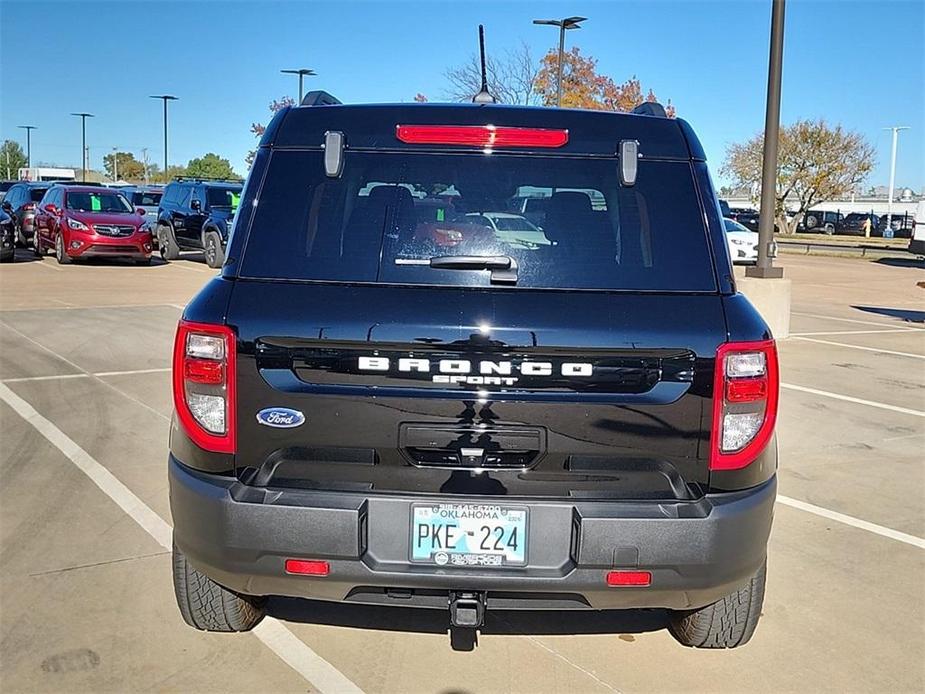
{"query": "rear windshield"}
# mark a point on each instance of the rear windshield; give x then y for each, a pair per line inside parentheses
(565, 222)
(149, 198)
(223, 197)
(37, 193)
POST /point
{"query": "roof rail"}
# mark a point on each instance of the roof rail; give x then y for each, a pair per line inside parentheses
(319, 98)
(205, 179)
(650, 108)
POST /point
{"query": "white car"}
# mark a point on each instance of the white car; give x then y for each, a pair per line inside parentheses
(743, 243)
(512, 229)
(917, 242)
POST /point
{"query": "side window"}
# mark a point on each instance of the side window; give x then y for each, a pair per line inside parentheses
(185, 194)
(199, 194)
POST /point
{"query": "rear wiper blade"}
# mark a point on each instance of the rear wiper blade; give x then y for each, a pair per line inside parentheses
(503, 267)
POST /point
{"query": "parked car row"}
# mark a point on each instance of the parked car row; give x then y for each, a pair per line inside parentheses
(832, 222)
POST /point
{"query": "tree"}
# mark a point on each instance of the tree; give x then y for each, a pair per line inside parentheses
(584, 87)
(12, 159)
(815, 163)
(210, 166)
(259, 128)
(127, 167)
(510, 79)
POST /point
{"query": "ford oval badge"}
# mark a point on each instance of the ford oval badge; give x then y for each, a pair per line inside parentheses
(280, 417)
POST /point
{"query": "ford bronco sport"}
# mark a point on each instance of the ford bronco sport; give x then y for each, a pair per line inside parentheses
(383, 401)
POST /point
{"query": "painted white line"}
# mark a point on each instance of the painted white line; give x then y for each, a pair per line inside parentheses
(858, 401)
(79, 308)
(60, 377)
(99, 374)
(49, 266)
(854, 332)
(313, 668)
(853, 522)
(866, 349)
(848, 320)
(177, 306)
(276, 636)
(152, 523)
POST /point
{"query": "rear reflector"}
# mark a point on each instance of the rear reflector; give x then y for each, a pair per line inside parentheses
(482, 136)
(629, 578)
(307, 567)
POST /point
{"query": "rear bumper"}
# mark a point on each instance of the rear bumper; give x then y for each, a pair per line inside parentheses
(697, 551)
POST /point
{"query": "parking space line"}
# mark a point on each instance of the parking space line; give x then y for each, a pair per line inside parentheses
(276, 636)
(850, 320)
(854, 332)
(100, 374)
(59, 377)
(78, 307)
(861, 347)
(852, 521)
(85, 374)
(857, 401)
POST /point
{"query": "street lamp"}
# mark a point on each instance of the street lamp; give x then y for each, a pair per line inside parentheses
(83, 144)
(564, 25)
(165, 98)
(301, 72)
(28, 129)
(889, 203)
(115, 164)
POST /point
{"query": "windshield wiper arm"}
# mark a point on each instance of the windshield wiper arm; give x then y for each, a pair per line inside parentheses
(503, 267)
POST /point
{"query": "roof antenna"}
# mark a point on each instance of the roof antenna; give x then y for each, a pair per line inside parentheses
(483, 97)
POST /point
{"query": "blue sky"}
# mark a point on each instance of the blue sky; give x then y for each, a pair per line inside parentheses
(858, 63)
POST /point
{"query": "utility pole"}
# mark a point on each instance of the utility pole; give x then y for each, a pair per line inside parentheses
(115, 164)
(764, 267)
(889, 203)
(165, 98)
(83, 144)
(28, 129)
(564, 25)
(144, 158)
(301, 72)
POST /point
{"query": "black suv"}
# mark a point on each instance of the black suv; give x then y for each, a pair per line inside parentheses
(196, 214)
(379, 401)
(20, 203)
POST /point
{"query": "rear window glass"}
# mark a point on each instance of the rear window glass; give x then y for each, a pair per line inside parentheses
(146, 198)
(37, 193)
(223, 197)
(565, 222)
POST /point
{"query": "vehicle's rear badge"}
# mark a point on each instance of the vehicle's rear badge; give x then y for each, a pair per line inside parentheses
(280, 417)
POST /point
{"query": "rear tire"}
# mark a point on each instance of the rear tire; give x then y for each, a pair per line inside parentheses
(829, 230)
(212, 244)
(37, 245)
(726, 623)
(166, 243)
(206, 605)
(60, 254)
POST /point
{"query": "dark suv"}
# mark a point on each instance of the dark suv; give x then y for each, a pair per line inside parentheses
(197, 214)
(379, 401)
(20, 203)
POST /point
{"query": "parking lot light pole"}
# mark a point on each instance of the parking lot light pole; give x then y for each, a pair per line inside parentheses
(83, 143)
(764, 266)
(564, 25)
(301, 72)
(165, 98)
(889, 202)
(29, 129)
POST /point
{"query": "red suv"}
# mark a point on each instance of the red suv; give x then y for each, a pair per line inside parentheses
(88, 221)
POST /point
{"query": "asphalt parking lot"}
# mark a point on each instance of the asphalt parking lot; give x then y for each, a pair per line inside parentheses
(86, 601)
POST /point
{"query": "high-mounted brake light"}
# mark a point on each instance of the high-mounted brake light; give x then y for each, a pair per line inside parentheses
(204, 384)
(482, 136)
(745, 397)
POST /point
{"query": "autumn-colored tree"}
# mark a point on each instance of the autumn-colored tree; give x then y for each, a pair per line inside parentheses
(125, 165)
(584, 87)
(258, 128)
(816, 163)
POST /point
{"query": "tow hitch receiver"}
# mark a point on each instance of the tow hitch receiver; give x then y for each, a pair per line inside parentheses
(467, 609)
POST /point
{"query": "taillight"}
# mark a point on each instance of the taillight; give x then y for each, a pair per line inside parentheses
(744, 403)
(484, 136)
(28, 207)
(204, 384)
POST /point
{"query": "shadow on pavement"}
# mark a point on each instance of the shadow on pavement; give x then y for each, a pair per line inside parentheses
(499, 622)
(911, 261)
(905, 315)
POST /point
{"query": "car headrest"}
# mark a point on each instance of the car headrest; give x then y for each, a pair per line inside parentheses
(569, 202)
(390, 195)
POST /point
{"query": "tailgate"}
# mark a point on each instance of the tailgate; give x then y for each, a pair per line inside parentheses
(467, 391)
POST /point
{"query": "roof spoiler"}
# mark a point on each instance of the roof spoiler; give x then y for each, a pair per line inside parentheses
(320, 98)
(650, 108)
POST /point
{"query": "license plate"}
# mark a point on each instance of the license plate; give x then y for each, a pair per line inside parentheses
(469, 534)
